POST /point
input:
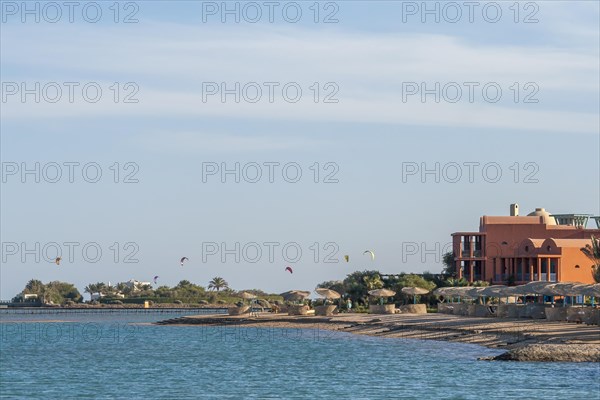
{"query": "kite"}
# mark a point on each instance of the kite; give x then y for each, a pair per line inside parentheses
(182, 260)
(371, 253)
(57, 261)
(289, 269)
(347, 258)
(155, 279)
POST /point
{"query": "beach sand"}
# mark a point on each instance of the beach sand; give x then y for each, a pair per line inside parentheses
(524, 339)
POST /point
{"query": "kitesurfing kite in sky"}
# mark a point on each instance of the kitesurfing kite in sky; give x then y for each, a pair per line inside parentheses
(371, 253)
(182, 260)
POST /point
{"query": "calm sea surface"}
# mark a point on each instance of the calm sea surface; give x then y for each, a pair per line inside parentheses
(122, 355)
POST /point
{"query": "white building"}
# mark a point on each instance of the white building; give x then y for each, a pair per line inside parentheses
(137, 285)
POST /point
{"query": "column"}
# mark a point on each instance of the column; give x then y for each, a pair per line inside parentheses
(470, 271)
(523, 264)
(539, 268)
(548, 269)
(530, 263)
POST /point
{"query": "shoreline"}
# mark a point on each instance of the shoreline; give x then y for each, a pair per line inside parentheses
(523, 339)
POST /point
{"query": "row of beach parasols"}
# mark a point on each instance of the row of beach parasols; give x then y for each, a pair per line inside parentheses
(529, 289)
(298, 295)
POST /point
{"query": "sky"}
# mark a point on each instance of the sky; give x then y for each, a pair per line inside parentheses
(252, 136)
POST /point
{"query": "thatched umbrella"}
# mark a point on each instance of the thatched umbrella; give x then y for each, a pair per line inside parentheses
(565, 289)
(458, 291)
(534, 287)
(550, 290)
(381, 293)
(443, 291)
(530, 288)
(475, 291)
(247, 296)
(414, 291)
(327, 294)
(451, 291)
(494, 291)
(592, 290)
(263, 303)
(295, 295)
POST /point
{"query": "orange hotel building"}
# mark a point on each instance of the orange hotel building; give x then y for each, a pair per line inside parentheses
(520, 249)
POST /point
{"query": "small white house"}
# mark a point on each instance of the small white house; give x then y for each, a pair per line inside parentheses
(96, 296)
(137, 285)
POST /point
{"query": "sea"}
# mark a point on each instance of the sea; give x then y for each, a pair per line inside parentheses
(123, 355)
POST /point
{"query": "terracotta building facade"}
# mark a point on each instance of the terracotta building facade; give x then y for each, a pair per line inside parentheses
(519, 249)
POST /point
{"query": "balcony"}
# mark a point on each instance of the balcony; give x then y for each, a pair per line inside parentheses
(466, 254)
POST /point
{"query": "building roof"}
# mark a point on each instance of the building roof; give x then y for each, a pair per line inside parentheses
(536, 242)
(578, 243)
(547, 218)
(530, 220)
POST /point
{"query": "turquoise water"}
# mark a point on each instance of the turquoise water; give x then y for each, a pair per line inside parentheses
(123, 356)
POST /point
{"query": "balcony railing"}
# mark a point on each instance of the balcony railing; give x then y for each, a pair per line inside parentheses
(466, 254)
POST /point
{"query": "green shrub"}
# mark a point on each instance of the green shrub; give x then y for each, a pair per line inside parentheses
(361, 309)
(178, 302)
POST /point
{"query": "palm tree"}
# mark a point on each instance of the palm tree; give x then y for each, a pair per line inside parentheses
(373, 282)
(217, 283)
(98, 287)
(456, 282)
(593, 253)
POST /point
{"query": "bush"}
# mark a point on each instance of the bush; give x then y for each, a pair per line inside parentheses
(203, 302)
(220, 301)
(361, 309)
(116, 302)
(178, 302)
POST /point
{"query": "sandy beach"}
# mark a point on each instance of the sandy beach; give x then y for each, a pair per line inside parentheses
(524, 339)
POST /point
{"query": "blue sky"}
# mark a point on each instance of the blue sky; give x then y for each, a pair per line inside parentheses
(369, 56)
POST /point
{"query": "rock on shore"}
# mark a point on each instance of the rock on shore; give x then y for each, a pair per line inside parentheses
(552, 352)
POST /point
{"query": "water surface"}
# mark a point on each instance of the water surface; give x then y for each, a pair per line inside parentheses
(124, 356)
